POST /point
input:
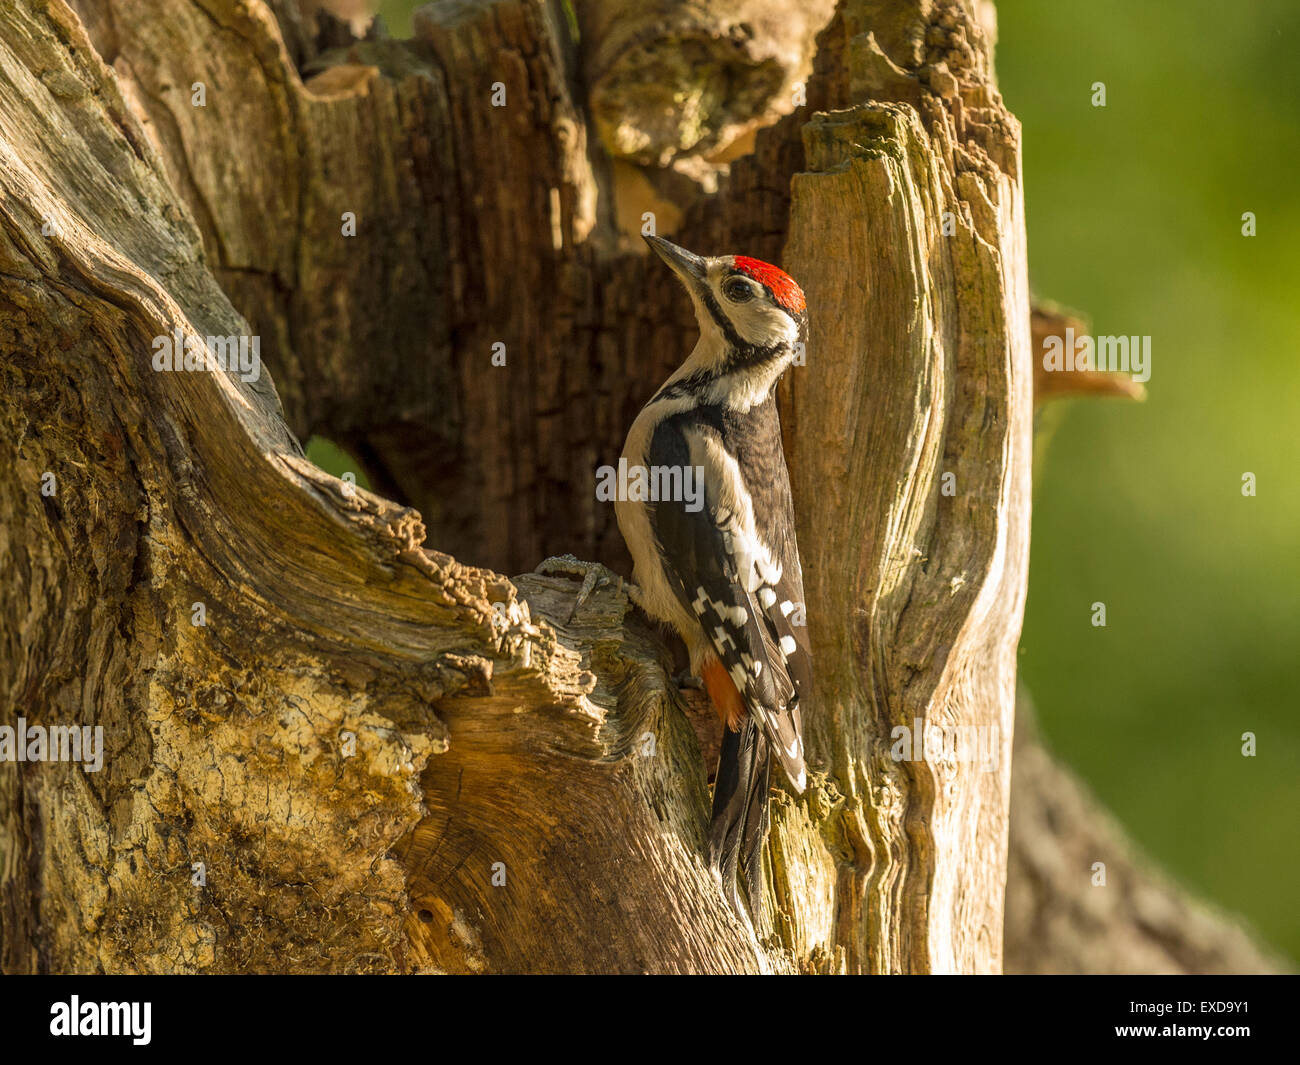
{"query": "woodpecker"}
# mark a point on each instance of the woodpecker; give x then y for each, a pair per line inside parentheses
(724, 571)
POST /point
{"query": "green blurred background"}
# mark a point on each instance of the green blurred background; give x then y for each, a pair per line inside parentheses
(1134, 216)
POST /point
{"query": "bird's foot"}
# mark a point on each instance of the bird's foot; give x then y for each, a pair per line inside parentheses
(687, 679)
(593, 575)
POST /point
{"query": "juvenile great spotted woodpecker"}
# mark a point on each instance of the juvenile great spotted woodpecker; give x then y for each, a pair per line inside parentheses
(725, 573)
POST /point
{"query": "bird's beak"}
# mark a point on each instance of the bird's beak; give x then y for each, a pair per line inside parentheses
(691, 268)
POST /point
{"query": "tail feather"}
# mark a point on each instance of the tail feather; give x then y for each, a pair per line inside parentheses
(754, 834)
(740, 811)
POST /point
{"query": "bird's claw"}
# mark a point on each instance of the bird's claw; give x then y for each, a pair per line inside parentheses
(593, 574)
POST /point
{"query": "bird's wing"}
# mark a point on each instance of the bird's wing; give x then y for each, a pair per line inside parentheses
(746, 593)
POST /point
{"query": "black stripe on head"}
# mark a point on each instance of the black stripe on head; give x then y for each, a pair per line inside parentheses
(724, 323)
(742, 352)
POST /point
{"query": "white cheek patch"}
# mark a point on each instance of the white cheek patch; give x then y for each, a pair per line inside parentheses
(759, 323)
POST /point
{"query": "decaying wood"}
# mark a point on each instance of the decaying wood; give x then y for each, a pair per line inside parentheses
(519, 795)
(373, 756)
(667, 78)
(274, 752)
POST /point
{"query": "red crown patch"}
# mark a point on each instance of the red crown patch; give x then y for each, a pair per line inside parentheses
(784, 288)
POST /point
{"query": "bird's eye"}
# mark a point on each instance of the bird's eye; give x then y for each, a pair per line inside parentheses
(738, 291)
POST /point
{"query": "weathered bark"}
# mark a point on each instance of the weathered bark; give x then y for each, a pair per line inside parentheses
(282, 743)
(666, 78)
(486, 730)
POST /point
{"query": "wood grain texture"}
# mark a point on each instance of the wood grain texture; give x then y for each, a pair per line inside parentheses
(484, 737)
(294, 743)
(668, 79)
(928, 376)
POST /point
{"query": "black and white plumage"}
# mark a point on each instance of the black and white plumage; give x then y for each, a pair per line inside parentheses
(724, 569)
